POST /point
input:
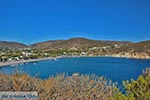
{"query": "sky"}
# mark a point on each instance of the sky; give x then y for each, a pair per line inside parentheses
(30, 21)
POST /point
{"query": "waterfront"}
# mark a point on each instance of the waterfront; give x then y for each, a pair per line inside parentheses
(115, 69)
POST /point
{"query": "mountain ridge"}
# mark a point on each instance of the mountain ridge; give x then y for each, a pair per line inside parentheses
(81, 44)
(11, 45)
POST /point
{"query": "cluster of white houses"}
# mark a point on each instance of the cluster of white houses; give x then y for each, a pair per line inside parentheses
(4, 58)
(26, 53)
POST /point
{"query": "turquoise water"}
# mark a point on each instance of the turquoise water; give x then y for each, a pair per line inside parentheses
(115, 69)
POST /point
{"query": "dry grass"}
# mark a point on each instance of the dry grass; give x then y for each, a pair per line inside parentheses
(60, 87)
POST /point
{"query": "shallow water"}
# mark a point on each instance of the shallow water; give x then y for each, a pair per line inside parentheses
(115, 69)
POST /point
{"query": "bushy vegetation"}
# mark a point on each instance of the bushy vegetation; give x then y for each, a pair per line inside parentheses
(136, 89)
(60, 87)
(78, 87)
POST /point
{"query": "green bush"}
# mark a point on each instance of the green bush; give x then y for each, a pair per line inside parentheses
(136, 89)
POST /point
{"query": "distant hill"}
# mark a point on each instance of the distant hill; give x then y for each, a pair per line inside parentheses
(11, 45)
(143, 46)
(78, 43)
(83, 44)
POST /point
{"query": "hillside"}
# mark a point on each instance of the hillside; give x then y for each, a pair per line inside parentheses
(99, 47)
(11, 45)
(141, 47)
(85, 44)
(83, 47)
(76, 43)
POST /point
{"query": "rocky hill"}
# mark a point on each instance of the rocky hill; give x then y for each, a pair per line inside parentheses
(75, 43)
(122, 47)
(11, 45)
(98, 47)
(89, 47)
(141, 47)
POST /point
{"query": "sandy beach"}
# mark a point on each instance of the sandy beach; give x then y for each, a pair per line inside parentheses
(51, 58)
(24, 61)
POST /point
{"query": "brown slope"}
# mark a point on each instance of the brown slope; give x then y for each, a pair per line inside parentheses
(143, 46)
(78, 43)
(47, 44)
(11, 45)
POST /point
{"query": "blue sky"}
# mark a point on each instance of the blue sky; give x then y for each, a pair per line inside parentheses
(31, 21)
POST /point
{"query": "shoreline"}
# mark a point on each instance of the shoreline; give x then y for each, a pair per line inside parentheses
(3, 64)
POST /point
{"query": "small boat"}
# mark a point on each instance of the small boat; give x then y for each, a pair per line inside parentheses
(75, 74)
(13, 65)
(56, 59)
(22, 64)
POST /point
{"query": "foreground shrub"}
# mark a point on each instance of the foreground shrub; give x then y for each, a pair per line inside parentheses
(78, 87)
(60, 87)
(140, 88)
(136, 89)
(17, 82)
